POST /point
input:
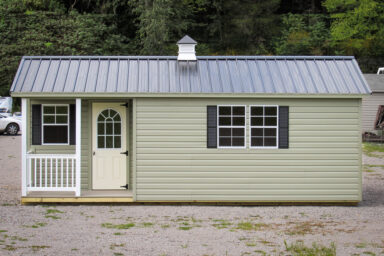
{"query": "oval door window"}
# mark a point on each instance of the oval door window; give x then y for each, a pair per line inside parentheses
(109, 129)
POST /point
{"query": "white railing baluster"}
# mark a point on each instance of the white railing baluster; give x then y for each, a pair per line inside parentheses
(41, 175)
(51, 173)
(34, 172)
(45, 177)
(62, 178)
(72, 160)
(29, 173)
(56, 171)
(67, 171)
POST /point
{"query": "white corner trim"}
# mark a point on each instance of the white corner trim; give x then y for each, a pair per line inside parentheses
(78, 147)
(24, 132)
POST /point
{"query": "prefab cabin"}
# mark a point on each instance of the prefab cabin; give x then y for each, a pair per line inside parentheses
(371, 104)
(191, 129)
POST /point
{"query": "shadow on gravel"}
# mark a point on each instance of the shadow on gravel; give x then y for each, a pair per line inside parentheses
(372, 196)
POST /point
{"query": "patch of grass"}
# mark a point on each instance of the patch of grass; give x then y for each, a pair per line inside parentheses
(118, 234)
(165, 226)
(36, 248)
(74, 249)
(361, 245)
(118, 226)
(9, 248)
(54, 217)
(18, 238)
(195, 220)
(185, 228)
(184, 246)
(366, 169)
(250, 244)
(113, 246)
(260, 252)
(370, 148)
(369, 253)
(299, 249)
(52, 211)
(250, 226)
(118, 254)
(7, 204)
(3, 231)
(220, 224)
(147, 224)
(37, 225)
(265, 242)
(245, 225)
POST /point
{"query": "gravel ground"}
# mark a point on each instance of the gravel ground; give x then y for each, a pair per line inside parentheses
(184, 230)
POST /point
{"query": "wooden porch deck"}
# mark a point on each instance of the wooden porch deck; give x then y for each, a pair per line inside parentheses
(87, 196)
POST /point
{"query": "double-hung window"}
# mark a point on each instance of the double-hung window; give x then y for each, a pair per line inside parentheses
(264, 126)
(231, 126)
(55, 124)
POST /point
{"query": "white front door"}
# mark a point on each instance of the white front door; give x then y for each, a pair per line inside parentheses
(109, 165)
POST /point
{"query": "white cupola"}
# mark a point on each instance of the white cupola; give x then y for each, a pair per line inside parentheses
(186, 49)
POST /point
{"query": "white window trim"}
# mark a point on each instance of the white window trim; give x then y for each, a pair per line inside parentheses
(277, 127)
(97, 131)
(245, 127)
(42, 123)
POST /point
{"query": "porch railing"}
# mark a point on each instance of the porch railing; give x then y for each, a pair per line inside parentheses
(48, 172)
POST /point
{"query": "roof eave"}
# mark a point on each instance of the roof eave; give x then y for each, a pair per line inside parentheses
(179, 95)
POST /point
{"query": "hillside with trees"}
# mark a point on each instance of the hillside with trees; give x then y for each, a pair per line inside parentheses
(221, 27)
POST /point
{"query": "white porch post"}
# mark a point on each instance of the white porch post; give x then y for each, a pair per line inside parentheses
(24, 132)
(78, 147)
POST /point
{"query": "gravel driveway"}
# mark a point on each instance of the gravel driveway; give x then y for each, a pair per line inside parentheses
(184, 230)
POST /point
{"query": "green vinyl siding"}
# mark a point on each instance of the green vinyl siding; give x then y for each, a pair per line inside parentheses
(173, 163)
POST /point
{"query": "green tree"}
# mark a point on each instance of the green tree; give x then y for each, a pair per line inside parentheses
(32, 28)
(357, 29)
(301, 37)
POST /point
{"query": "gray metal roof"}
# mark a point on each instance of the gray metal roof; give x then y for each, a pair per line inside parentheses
(375, 82)
(186, 40)
(230, 74)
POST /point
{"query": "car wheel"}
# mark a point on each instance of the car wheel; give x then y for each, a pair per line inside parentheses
(12, 129)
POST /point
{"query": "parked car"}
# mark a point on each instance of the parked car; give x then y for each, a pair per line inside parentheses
(17, 115)
(9, 124)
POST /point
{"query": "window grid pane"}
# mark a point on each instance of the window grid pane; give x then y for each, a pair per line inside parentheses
(263, 126)
(55, 124)
(109, 129)
(231, 126)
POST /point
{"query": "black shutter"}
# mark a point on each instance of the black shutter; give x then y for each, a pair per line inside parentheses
(36, 124)
(211, 126)
(72, 124)
(283, 127)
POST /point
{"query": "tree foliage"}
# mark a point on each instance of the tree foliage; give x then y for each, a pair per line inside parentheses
(226, 27)
(357, 29)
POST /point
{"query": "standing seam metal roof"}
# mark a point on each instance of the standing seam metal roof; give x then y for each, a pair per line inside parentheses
(209, 74)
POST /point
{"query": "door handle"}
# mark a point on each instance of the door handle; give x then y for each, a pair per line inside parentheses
(94, 153)
(124, 153)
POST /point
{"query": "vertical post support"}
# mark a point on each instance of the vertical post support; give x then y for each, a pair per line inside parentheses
(78, 147)
(24, 132)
